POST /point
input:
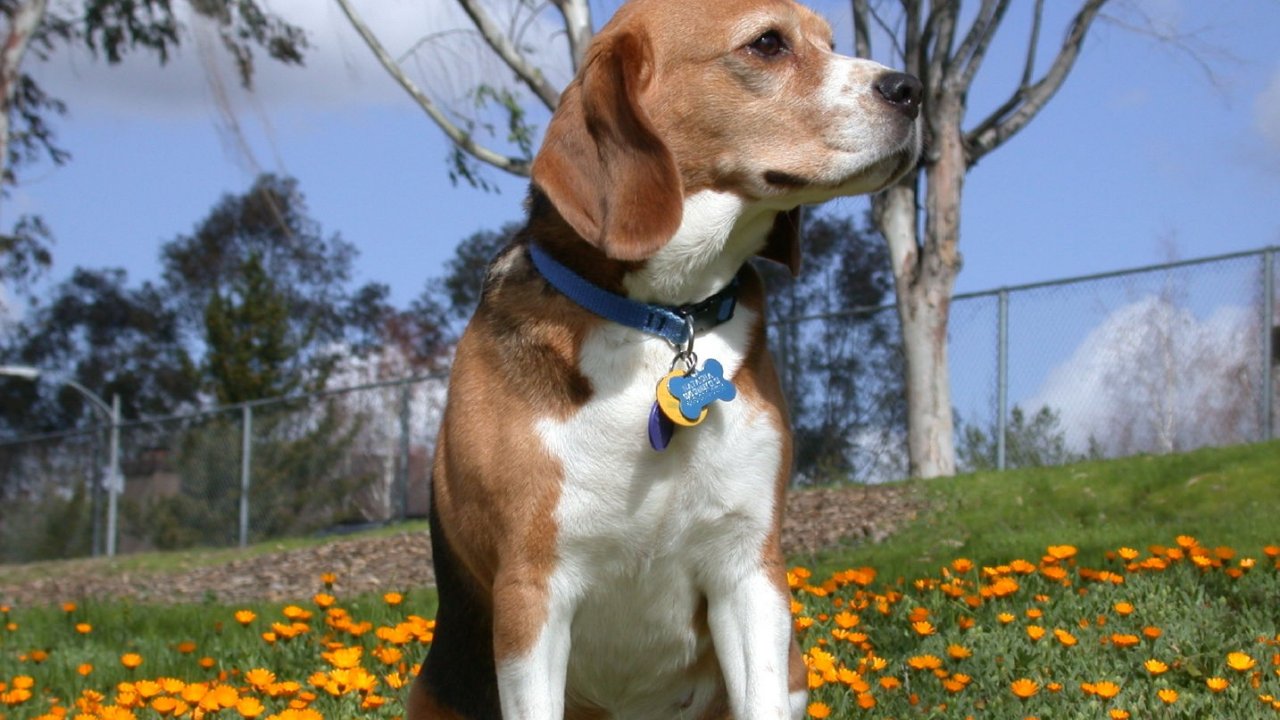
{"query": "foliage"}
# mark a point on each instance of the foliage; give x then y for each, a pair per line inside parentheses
(838, 352)
(263, 286)
(299, 480)
(1035, 442)
(252, 347)
(111, 338)
(452, 298)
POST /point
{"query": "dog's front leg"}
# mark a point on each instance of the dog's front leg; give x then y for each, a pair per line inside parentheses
(751, 628)
(531, 647)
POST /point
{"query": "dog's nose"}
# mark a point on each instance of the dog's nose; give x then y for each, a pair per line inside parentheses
(902, 91)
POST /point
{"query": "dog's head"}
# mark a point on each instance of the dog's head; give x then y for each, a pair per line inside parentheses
(739, 96)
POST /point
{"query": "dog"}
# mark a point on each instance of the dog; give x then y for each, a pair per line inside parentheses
(609, 476)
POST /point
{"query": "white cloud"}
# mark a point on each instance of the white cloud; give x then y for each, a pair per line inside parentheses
(1152, 377)
(1266, 112)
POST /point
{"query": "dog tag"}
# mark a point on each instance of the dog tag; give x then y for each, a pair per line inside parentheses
(669, 403)
(698, 389)
(660, 428)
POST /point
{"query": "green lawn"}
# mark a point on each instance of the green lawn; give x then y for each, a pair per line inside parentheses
(1015, 630)
(1225, 496)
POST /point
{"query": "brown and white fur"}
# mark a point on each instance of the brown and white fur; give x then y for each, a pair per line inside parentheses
(582, 574)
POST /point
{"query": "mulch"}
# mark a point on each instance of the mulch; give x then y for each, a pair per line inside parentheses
(815, 520)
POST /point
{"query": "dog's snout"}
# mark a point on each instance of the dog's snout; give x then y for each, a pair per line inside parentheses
(902, 91)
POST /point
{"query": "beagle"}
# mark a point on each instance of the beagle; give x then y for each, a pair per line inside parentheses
(608, 480)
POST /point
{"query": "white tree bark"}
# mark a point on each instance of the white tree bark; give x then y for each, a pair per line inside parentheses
(26, 18)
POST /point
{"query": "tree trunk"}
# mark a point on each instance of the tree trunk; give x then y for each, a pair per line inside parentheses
(22, 25)
(924, 277)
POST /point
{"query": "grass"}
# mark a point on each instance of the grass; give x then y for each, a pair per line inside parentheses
(1187, 608)
(1228, 494)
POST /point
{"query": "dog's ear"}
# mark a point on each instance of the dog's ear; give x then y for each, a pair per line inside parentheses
(783, 243)
(602, 163)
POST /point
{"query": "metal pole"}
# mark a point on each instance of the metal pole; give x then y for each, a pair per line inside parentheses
(246, 460)
(115, 480)
(1002, 378)
(402, 474)
(95, 499)
(1268, 350)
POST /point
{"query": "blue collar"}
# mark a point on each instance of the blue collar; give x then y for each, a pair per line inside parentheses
(671, 323)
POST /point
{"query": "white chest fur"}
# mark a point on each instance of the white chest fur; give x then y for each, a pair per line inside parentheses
(645, 536)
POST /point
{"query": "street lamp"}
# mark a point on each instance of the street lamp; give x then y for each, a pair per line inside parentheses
(112, 411)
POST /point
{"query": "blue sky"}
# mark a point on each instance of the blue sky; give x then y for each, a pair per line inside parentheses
(1139, 159)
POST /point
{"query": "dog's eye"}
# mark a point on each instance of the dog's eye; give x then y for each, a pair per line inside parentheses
(769, 44)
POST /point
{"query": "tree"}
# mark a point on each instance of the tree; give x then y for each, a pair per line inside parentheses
(252, 348)
(919, 217)
(932, 45)
(112, 339)
(838, 351)
(258, 276)
(110, 29)
(1038, 441)
(448, 301)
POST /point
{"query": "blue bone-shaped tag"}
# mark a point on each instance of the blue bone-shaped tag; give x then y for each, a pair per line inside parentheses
(702, 387)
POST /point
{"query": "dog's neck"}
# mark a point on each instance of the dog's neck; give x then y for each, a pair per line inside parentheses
(718, 233)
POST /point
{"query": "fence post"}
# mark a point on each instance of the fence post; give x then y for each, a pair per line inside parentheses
(402, 472)
(1268, 351)
(246, 460)
(1002, 377)
(115, 484)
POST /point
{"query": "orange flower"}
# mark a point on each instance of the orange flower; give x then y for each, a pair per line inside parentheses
(131, 660)
(1024, 688)
(1217, 684)
(1062, 552)
(1123, 608)
(84, 628)
(1035, 632)
(1106, 689)
(1118, 714)
(244, 617)
(819, 710)
(1123, 640)
(1155, 667)
(1064, 637)
(1167, 695)
(924, 662)
(393, 598)
(959, 652)
(186, 647)
(1240, 662)
(923, 627)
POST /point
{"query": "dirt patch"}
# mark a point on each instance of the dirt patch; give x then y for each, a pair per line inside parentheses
(815, 520)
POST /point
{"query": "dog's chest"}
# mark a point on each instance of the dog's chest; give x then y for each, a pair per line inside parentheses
(644, 536)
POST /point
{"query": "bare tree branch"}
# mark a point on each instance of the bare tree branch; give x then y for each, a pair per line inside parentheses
(1028, 69)
(529, 74)
(861, 29)
(577, 27)
(1026, 102)
(941, 29)
(460, 138)
(974, 47)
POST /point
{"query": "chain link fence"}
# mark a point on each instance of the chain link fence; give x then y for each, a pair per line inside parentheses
(1155, 360)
